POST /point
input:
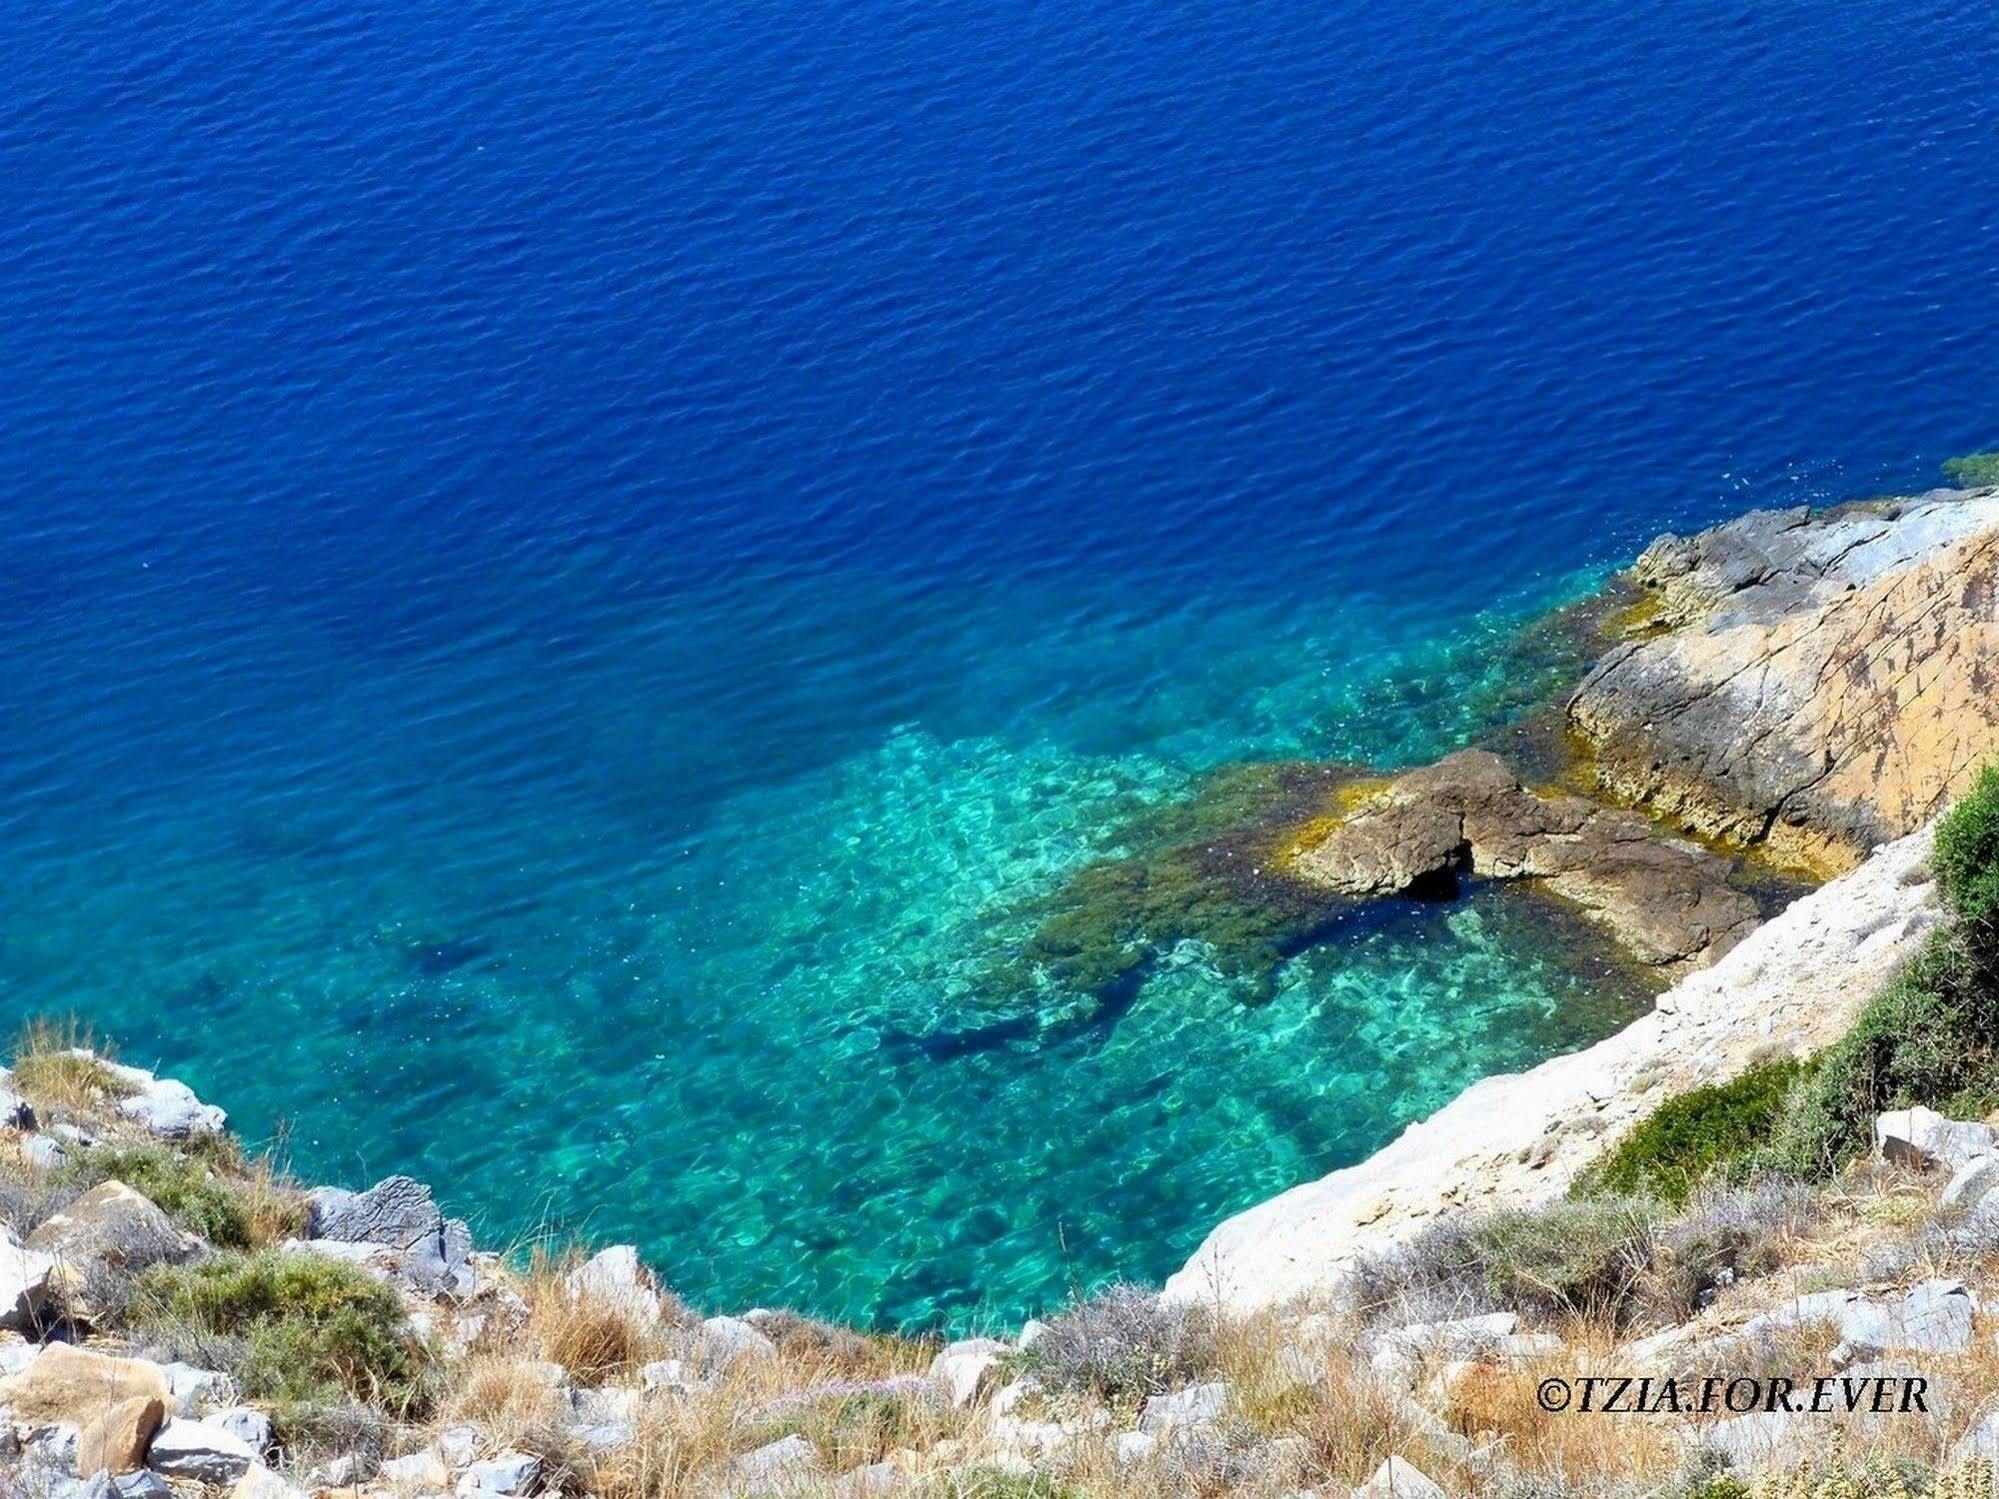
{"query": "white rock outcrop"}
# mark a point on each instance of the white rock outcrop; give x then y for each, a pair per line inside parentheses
(1793, 985)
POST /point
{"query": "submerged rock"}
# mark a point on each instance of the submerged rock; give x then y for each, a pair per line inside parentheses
(1668, 902)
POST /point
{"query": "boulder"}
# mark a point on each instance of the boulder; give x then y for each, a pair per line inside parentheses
(247, 1424)
(25, 1286)
(433, 1253)
(790, 1460)
(1131, 1448)
(75, 1385)
(615, 1276)
(116, 1439)
(1398, 1479)
(1935, 1317)
(425, 1471)
(967, 1367)
(869, 1481)
(1813, 682)
(200, 1452)
(509, 1473)
(1983, 1438)
(259, 1482)
(1923, 1138)
(165, 1107)
(1972, 1186)
(1198, 1405)
(721, 1343)
(194, 1390)
(1667, 901)
(112, 1228)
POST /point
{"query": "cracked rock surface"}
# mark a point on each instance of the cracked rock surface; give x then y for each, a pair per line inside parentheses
(1825, 682)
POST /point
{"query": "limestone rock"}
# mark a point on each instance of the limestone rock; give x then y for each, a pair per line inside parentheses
(25, 1288)
(723, 1342)
(259, 1482)
(786, 1461)
(433, 1253)
(1198, 1405)
(1973, 1185)
(111, 1228)
(615, 1276)
(509, 1473)
(967, 1367)
(1399, 1479)
(1668, 902)
(1823, 685)
(165, 1107)
(75, 1385)
(116, 1439)
(15, 1111)
(1923, 1138)
(1131, 1448)
(247, 1424)
(199, 1451)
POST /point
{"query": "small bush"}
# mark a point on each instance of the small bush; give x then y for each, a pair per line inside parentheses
(1706, 1132)
(1122, 1344)
(1966, 856)
(989, 1481)
(1572, 1255)
(186, 1191)
(1931, 1036)
(290, 1327)
(1973, 470)
(1724, 1236)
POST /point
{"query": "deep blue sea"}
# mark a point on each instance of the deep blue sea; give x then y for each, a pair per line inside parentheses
(571, 573)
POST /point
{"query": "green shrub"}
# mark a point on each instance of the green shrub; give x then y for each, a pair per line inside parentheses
(1928, 1038)
(1583, 1256)
(290, 1327)
(185, 1190)
(1702, 1133)
(1973, 470)
(990, 1481)
(1966, 858)
(1570, 1255)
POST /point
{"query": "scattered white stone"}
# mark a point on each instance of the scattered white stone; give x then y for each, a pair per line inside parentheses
(509, 1473)
(1983, 1438)
(1397, 1479)
(967, 1367)
(458, 1445)
(1030, 1333)
(724, 1342)
(247, 1424)
(1007, 1398)
(666, 1374)
(1975, 1181)
(195, 1389)
(1198, 1405)
(259, 1482)
(1923, 1138)
(869, 1481)
(165, 1107)
(200, 1451)
(42, 1153)
(1131, 1448)
(145, 1485)
(1935, 1317)
(615, 1275)
(422, 1471)
(24, 1286)
(784, 1461)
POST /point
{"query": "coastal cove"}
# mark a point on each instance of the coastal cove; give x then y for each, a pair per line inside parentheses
(731, 632)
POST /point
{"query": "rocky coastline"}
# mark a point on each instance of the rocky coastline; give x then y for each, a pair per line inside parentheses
(180, 1317)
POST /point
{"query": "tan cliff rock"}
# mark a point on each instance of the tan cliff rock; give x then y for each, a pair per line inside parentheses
(1825, 681)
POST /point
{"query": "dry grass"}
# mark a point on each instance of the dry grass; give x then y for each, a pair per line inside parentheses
(595, 1337)
(55, 1071)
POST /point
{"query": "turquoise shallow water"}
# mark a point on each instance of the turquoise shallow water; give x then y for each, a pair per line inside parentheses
(712, 1043)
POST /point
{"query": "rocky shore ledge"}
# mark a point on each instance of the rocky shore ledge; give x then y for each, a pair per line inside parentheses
(1788, 1173)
